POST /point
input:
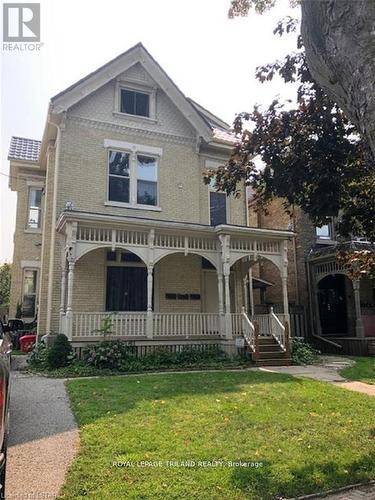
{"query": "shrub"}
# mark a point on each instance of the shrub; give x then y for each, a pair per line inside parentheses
(60, 353)
(302, 352)
(108, 354)
(38, 357)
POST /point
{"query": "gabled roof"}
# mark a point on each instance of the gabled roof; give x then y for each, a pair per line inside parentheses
(24, 149)
(137, 54)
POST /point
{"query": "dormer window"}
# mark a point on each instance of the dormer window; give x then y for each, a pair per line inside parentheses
(134, 103)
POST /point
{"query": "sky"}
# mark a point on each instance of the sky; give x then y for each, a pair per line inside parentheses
(210, 57)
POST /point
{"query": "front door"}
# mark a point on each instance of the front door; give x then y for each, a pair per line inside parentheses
(332, 305)
(126, 288)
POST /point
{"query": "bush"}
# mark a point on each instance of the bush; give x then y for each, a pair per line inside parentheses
(302, 352)
(108, 354)
(60, 353)
(185, 358)
(38, 357)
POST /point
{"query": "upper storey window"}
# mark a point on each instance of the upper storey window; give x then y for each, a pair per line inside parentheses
(34, 217)
(325, 232)
(134, 103)
(133, 175)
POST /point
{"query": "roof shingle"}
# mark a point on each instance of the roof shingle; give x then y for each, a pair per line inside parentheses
(24, 149)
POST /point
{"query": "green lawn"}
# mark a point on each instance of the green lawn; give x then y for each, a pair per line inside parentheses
(363, 370)
(308, 436)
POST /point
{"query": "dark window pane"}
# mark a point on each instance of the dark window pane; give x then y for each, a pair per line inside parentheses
(126, 289)
(135, 103)
(147, 193)
(118, 163)
(206, 264)
(130, 257)
(218, 208)
(28, 305)
(127, 102)
(35, 198)
(118, 189)
(141, 104)
(111, 256)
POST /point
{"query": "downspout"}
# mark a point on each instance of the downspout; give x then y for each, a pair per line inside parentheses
(53, 229)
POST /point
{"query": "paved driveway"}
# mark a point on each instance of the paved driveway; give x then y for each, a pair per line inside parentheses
(43, 436)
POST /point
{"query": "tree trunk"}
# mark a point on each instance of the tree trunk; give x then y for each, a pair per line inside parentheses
(339, 37)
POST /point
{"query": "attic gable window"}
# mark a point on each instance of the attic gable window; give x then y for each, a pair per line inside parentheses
(134, 103)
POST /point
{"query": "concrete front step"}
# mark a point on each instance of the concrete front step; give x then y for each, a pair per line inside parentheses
(273, 362)
(272, 355)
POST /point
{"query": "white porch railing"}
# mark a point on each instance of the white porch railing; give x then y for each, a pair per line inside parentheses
(88, 324)
(277, 329)
(248, 330)
(237, 326)
(134, 324)
(264, 322)
(185, 324)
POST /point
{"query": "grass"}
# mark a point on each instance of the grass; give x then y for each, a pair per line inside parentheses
(304, 436)
(17, 352)
(363, 370)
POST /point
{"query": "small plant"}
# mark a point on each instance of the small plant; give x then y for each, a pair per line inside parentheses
(60, 353)
(108, 354)
(38, 357)
(302, 352)
(106, 327)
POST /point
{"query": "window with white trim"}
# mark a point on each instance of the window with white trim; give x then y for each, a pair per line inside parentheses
(325, 232)
(134, 103)
(132, 178)
(34, 216)
(217, 204)
(29, 292)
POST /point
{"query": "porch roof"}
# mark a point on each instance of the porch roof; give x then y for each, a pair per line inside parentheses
(119, 221)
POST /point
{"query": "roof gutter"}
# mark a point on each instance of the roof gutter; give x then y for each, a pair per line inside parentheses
(53, 225)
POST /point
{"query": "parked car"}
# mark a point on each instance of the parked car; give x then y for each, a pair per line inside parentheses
(5, 351)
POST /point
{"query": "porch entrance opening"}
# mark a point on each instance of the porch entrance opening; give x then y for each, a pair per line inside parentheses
(126, 289)
(332, 305)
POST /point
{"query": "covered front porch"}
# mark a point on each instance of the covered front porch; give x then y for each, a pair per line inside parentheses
(155, 281)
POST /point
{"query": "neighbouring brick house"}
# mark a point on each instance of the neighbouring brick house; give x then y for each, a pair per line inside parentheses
(113, 218)
(338, 311)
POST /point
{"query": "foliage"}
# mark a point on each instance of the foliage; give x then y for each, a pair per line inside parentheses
(107, 354)
(187, 357)
(106, 327)
(358, 263)
(19, 310)
(5, 280)
(302, 352)
(60, 352)
(119, 355)
(38, 357)
(363, 370)
(313, 156)
(286, 425)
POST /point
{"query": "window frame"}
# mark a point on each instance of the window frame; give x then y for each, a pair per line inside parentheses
(142, 89)
(214, 164)
(331, 233)
(134, 150)
(35, 294)
(34, 187)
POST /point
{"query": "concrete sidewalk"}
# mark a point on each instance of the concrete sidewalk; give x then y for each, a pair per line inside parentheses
(326, 371)
(43, 436)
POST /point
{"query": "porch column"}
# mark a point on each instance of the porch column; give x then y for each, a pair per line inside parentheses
(246, 294)
(62, 299)
(69, 301)
(315, 289)
(284, 283)
(251, 292)
(150, 281)
(221, 302)
(359, 329)
(228, 319)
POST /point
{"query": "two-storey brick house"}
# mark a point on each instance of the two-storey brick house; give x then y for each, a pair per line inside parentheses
(113, 215)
